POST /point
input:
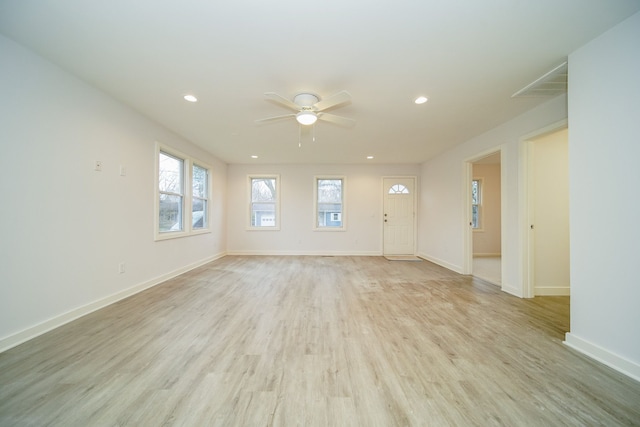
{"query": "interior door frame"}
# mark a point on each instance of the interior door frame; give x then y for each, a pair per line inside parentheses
(526, 203)
(467, 267)
(415, 208)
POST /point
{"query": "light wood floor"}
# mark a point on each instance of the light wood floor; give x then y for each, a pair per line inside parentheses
(488, 268)
(326, 341)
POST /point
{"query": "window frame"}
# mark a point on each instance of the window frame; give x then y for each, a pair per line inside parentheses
(343, 192)
(187, 195)
(479, 224)
(206, 199)
(276, 226)
(398, 189)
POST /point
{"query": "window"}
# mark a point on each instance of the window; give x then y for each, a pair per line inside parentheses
(329, 203)
(171, 187)
(182, 204)
(398, 189)
(200, 200)
(476, 203)
(264, 202)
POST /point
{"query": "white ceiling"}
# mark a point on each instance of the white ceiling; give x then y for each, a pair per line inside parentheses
(468, 57)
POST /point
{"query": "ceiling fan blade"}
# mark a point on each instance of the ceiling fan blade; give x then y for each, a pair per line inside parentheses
(339, 120)
(274, 118)
(282, 100)
(333, 100)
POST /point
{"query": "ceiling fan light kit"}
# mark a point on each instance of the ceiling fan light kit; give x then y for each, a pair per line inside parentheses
(306, 117)
(310, 108)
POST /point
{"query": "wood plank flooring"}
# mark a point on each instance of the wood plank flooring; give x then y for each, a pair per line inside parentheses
(314, 341)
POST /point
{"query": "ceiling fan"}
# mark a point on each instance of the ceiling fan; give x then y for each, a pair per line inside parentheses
(309, 108)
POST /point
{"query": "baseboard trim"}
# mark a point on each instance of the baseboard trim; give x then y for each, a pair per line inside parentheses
(303, 253)
(604, 356)
(62, 319)
(551, 291)
(511, 290)
(441, 263)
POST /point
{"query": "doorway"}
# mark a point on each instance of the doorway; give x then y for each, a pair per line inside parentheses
(399, 200)
(548, 214)
(486, 218)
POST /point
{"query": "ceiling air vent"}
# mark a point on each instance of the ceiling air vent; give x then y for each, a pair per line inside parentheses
(550, 84)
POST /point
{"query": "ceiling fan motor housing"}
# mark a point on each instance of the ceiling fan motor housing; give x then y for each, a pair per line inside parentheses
(309, 108)
(306, 100)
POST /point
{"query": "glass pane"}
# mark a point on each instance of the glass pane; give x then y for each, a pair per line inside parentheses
(199, 214)
(475, 192)
(329, 191)
(170, 213)
(263, 189)
(398, 189)
(329, 214)
(200, 182)
(170, 174)
(474, 216)
(263, 214)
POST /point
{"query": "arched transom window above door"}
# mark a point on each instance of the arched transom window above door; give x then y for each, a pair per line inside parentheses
(398, 189)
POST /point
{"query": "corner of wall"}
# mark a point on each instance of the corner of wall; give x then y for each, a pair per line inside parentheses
(18, 338)
(602, 355)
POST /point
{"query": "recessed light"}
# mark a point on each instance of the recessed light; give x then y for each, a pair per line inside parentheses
(254, 157)
(369, 157)
(421, 100)
(190, 98)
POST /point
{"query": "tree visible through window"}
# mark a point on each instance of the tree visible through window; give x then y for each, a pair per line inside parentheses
(171, 186)
(183, 197)
(199, 200)
(264, 202)
(476, 201)
(329, 203)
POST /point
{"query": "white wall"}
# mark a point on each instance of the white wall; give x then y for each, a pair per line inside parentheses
(486, 240)
(64, 228)
(442, 220)
(604, 149)
(363, 211)
(550, 197)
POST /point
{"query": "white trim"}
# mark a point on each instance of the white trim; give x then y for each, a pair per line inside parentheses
(343, 205)
(187, 214)
(525, 202)
(302, 253)
(504, 202)
(602, 355)
(207, 219)
(276, 226)
(552, 291)
(415, 207)
(64, 318)
(467, 177)
(525, 219)
(441, 263)
(512, 290)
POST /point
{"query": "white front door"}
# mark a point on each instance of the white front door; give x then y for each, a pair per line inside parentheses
(399, 215)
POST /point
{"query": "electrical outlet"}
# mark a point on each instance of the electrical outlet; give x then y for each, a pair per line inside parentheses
(98, 167)
(121, 267)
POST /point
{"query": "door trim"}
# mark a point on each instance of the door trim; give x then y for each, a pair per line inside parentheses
(525, 208)
(467, 267)
(415, 208)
